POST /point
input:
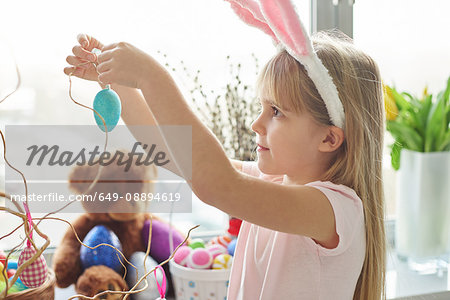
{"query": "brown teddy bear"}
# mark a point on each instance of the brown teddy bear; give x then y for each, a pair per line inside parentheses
(125, 218)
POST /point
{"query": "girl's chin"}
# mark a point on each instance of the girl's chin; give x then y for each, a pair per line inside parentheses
(266, 169)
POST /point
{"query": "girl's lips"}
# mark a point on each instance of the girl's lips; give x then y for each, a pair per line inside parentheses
(261, 148)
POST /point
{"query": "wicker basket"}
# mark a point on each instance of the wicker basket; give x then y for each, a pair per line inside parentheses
(45, 292)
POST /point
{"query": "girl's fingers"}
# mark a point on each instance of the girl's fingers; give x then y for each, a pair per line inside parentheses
(106, 77)
(68, 70)
(105, 56)
(84, 54)
(74, 71)
(88, 42)
(75, 61)
(83, 40)
(109, 47)
(104, 66)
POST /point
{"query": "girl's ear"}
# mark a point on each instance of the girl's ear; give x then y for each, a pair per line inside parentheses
(334, 137)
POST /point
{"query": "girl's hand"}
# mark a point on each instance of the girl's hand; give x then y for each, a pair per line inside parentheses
(82, 61)
(126, 65)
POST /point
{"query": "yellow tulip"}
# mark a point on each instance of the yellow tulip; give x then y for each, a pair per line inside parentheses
(425, 92)
(389, 104)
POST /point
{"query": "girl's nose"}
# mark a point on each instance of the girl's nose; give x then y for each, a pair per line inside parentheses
(257, 125)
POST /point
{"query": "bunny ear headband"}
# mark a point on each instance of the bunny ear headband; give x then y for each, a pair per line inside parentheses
(278, 19)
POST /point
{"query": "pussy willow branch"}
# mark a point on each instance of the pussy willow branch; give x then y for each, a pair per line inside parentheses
(230, 121)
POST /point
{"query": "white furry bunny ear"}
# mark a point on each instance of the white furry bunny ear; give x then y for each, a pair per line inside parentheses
(279, 19)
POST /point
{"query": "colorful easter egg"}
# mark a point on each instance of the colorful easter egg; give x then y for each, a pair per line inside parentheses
(234, 226)
(2, 257)
(223, 261)
(151, 291)
(107, 104)
(12, 264)
(182, 254)
(216, 249)
(102, 255)
(10, 272)
(160, 236)
(232, 247)
(221, 240)
(197, 243)
(16, 287)
(2, 270)
(200, 258)
(35, 274)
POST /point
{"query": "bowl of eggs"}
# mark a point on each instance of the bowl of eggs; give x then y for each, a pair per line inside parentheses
(201, 271)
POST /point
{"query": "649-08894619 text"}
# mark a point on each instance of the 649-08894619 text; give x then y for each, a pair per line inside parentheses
(102, 197)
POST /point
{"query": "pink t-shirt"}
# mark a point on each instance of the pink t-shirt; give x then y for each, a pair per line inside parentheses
(269, 264)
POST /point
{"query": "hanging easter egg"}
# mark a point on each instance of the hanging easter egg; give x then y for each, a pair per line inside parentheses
(102, 255)
(35, 274)
(107, 104)
(151, 292)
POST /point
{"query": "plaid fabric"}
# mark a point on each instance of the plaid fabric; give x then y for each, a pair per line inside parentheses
(35, 274)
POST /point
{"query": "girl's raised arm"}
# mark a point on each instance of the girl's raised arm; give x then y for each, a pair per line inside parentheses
(294, 209)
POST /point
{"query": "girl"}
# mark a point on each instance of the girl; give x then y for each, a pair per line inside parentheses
(313, 202)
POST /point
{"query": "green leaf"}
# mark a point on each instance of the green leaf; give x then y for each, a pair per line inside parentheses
(444, 144)
(401, 102)
(435, 124)
(396, 149)
(425, 110)
(422, 124)
(412, 140)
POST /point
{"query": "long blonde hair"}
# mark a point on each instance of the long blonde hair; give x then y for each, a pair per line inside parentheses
(357, 163)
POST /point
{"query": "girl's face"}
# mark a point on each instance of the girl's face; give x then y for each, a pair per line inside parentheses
(287, 141)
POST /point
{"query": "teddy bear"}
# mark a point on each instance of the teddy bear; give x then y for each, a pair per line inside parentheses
(127, 219)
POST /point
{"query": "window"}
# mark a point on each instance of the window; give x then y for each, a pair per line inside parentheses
(408, 41)
(201, 33)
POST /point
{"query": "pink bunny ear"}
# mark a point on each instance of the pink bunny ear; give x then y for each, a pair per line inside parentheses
(287, 26)
(279, 19)
(250, 13)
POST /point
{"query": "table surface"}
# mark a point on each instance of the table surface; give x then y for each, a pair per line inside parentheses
(401, 283)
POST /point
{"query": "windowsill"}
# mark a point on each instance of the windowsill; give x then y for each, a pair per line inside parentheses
(402, 282)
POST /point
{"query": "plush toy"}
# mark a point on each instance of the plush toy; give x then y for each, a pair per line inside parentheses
(128, 226)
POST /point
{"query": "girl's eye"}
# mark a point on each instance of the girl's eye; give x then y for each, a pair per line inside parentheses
(276, 112)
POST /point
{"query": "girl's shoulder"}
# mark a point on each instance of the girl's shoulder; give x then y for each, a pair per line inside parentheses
(338, 192)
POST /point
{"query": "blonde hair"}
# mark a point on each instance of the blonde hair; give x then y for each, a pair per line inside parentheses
(357, 163)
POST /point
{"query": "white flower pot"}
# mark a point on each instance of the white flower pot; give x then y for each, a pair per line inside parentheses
(423, 205)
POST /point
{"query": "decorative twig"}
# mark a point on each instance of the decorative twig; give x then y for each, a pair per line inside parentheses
(229, 112)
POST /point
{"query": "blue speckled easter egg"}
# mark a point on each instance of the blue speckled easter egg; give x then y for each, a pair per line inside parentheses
(102, 255)
(107, 104)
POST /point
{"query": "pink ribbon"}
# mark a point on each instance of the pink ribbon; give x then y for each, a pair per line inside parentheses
(162, 287)
(30, 224)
